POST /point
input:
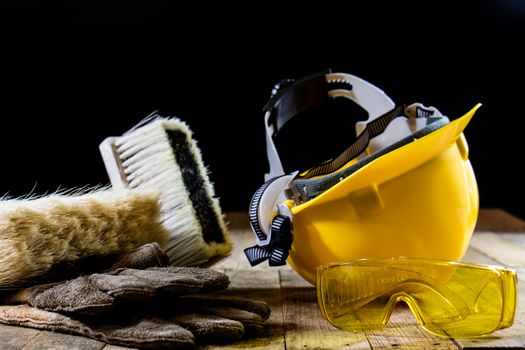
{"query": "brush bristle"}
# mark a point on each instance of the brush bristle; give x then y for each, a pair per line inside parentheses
(161, 154)
(39, 234)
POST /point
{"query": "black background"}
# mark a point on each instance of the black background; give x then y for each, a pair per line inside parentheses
(74, 72)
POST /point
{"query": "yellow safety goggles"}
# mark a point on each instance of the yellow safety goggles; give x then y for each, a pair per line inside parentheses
(447, 298)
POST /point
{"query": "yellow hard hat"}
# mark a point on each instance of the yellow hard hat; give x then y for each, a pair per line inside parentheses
(405, 187)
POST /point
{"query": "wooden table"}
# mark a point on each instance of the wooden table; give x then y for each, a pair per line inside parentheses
(295, 322)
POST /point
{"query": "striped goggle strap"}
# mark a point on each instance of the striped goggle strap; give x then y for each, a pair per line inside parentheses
(274, 246)
(372, 129)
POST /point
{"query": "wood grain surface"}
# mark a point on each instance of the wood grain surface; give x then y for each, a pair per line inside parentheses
(296, 323)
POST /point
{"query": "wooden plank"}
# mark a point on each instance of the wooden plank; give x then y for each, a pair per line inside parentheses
(475, 256)
(498, 220)
(403, 332)
(499, 249)
(253, 281)
(261, 285)
(14, 338)
(59, 341)
(509, 338)
(515, 238)
(243, 238)
(304, 325)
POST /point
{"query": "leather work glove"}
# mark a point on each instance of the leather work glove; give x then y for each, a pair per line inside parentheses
(145, 307)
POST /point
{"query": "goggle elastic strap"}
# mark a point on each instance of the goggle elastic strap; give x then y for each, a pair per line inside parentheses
(276, 252)
(304, 189)
(373, 129)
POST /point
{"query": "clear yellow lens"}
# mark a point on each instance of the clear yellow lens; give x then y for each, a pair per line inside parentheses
(448, 298)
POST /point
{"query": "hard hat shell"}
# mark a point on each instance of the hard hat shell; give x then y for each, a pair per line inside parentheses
(418, 200)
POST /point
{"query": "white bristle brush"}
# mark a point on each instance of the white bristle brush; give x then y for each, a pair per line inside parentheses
(38, 235)
(160, 153)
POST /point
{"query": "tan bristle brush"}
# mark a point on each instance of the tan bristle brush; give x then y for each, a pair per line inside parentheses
(160, 153)
(50, 234)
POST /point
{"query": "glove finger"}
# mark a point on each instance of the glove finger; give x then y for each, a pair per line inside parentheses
(147, 333)
(208, 328)
(147, 255)
(175, 281)
(25, 295)
(96, 294)
(78, 295)
(252, 323)
(142, 333)
(124, 287)
(258, 307)
(211, 280)
(163, 282)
